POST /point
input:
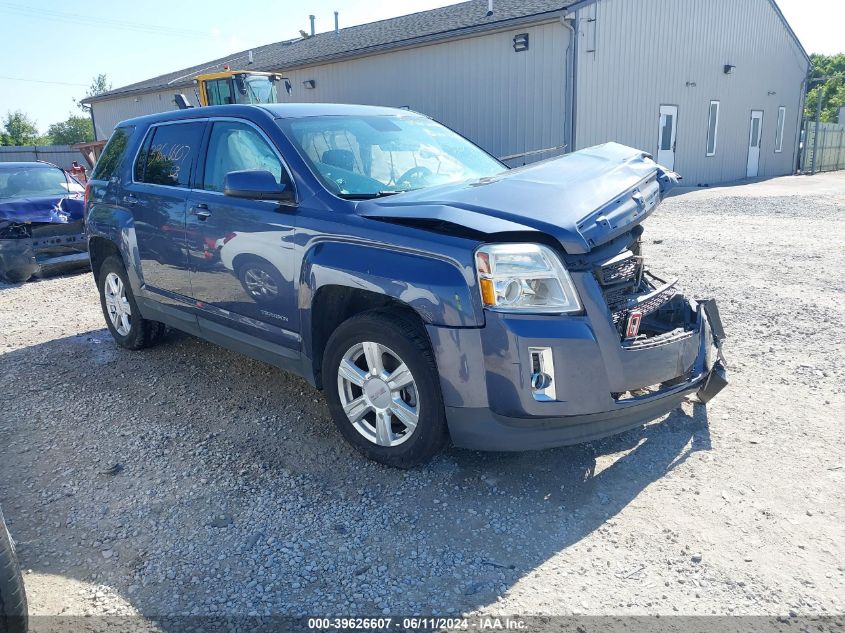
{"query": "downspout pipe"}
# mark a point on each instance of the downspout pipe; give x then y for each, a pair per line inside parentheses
(570, 84)
(93, 121)
(576, 26)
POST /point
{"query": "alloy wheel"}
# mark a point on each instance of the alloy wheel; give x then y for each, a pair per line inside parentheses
(378, 394)
(117, 304)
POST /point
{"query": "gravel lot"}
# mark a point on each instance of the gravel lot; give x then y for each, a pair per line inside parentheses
(186, 479)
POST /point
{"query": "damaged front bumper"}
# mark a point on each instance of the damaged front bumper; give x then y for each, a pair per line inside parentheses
(37, 249)
(602, 385)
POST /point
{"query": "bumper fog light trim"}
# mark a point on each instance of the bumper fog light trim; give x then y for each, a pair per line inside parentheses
(542, 374)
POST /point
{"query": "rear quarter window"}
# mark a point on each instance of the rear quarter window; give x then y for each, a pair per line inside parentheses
(168, 154)
(113, 154)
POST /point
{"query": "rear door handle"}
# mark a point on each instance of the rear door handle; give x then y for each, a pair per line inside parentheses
(130, 199)
(201, 211)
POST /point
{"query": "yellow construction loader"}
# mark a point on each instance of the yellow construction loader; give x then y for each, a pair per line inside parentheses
(235, 86)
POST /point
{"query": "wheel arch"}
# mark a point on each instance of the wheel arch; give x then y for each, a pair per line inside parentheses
(335, 304)
(100, 249)
(342, 279)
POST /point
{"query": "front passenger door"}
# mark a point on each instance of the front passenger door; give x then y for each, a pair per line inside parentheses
(242, 272)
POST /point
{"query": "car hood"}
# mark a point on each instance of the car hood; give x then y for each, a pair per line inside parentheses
(583, 199)
(52, 209)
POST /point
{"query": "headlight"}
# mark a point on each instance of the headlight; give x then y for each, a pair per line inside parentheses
(524, 278)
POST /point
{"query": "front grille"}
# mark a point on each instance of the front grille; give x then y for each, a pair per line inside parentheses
(624, 268)
(624, 290)
(618, 295)
(646, 305)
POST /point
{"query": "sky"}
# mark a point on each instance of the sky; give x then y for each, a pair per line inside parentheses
(57, 47)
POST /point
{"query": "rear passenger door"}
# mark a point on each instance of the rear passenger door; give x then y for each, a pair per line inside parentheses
(157, 198)
(242, 272)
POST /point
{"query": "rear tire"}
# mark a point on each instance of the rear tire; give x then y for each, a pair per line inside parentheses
(394, 413)
(123, 317)
(13, 609)
(15, 275)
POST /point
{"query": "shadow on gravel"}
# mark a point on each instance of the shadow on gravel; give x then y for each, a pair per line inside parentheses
(191, 479)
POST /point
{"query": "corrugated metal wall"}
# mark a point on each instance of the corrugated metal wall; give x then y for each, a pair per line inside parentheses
(61, 155)
(506, 102)
(654, 52)
(107, 114)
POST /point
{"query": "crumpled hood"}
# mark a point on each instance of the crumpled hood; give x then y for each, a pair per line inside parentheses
(583, 199)
(52, 209)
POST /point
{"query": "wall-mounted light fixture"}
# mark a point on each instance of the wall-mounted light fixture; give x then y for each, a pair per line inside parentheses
(310, 84)
(691, 84)
(729, 69)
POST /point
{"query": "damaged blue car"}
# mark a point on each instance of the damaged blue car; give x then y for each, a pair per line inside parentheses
(431, 292)
(41, 228)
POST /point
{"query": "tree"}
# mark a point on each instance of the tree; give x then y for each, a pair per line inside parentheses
(832, 66)
(77, 129)
(99, 85)
(18, 129)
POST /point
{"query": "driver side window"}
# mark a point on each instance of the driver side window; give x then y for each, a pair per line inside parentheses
(234, 147)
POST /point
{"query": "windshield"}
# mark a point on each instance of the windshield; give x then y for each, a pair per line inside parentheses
(36, 182)
(261, 90)
(368, 156)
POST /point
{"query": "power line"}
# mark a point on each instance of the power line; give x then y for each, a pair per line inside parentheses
(39, 81)
(69, 18)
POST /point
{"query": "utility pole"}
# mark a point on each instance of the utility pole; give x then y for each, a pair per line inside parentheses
(822, 91)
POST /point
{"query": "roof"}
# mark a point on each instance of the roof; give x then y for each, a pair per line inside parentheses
(455, 19)
(274, 110)
(30, 163)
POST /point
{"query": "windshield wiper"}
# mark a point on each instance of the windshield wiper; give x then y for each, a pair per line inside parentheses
(370, 196)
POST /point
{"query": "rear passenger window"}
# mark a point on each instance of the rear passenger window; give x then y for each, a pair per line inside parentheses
(168, 153)
(112, 156)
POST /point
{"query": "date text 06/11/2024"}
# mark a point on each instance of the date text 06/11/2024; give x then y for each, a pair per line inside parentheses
(480, 623)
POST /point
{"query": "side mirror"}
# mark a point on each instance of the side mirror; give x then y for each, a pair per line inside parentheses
(255, 184)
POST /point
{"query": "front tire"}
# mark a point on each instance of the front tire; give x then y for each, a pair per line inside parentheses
(123, 317)
(13, 609)
(383, 389)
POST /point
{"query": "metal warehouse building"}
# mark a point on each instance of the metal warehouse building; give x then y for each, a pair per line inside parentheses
(713, 88)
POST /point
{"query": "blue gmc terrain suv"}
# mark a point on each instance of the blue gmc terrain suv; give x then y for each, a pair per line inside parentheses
(427, 289)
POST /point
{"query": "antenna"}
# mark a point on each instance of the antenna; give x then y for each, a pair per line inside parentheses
(336, 27)
(250, 57)
(489, 8)
(311, 17)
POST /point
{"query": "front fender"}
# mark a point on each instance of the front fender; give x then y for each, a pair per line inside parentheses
(440, 289)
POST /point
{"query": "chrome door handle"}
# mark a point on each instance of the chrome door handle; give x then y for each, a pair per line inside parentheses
(201, 211)
(130, 199)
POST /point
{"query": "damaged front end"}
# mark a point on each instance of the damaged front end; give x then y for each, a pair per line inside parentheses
(637, 349)
(651, 313)
(37, 236)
